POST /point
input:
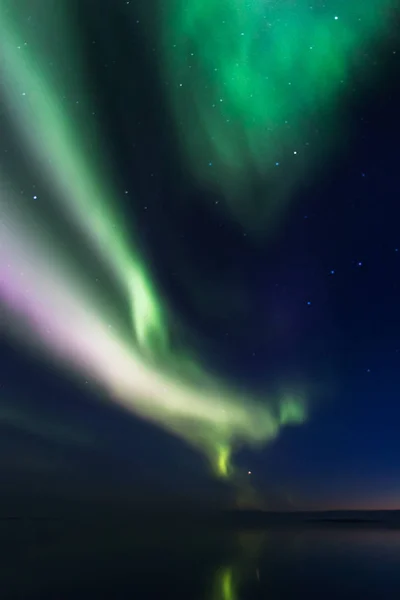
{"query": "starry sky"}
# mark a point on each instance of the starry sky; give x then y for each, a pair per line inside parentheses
(200, 253)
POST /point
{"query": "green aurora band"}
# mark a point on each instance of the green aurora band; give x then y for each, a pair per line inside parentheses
(47, 291)
(253, 83)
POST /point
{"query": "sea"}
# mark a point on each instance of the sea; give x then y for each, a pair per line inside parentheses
(250, 557)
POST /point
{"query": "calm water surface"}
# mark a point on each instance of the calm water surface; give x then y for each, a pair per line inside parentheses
(57, 560)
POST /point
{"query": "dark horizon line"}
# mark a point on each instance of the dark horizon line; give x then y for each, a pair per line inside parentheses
(142, 511)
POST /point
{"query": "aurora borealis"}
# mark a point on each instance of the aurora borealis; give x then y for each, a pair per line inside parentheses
(45, 288)
(251, 85)
(168, 190)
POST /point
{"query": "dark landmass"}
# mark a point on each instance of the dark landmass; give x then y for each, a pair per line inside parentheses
(181, 518)
(260, 519)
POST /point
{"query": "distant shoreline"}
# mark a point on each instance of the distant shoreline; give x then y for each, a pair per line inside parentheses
(230, 519)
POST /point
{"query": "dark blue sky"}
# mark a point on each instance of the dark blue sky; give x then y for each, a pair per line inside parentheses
(324, 294)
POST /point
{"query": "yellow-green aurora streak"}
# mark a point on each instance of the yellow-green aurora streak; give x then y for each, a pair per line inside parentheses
(48, 292)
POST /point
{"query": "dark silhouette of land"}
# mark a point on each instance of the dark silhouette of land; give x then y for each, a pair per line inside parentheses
(171, 518)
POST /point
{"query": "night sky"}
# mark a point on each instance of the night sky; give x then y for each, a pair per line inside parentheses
(205, 220)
